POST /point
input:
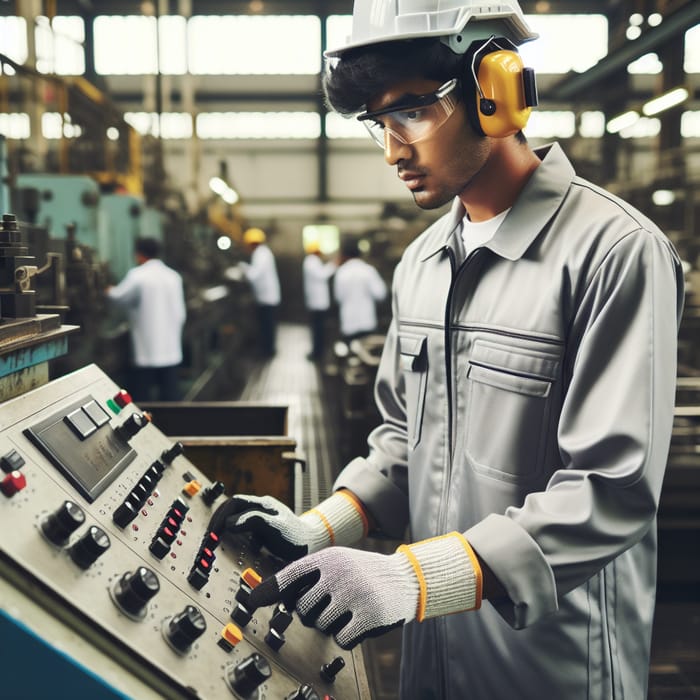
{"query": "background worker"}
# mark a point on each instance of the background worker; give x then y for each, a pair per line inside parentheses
(357, 289)
(316, 274)
(153, 297)
(526, 388)
(261, 272)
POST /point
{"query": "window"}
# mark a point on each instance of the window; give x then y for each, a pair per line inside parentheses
(567, 42)
(15, 125)
(549, 125)
(692, 50)
(59, 45)
(255, 45)
(13, 40)
(258, 125)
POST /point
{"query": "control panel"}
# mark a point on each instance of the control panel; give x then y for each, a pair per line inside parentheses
(108, 518)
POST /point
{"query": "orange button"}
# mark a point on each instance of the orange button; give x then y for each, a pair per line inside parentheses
(251, 577)
(232, 634)
(192, 487)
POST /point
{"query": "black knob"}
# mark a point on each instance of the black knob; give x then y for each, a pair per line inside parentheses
(124, 514)
(211, 493)
(330, 671)
(133, 591)
(169, 455)
(58, 526)
(132, 425)
(304, 692)
(185, 627)
(89, 547)
(247, 676)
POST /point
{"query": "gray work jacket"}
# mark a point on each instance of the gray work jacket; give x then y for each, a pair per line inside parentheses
(527, 396)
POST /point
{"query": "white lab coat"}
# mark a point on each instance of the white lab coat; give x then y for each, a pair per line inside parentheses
(316, 273)
(357, 288)
(152, 294)
(261, 272)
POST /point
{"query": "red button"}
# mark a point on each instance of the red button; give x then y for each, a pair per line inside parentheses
(13, 483)
(122, 398)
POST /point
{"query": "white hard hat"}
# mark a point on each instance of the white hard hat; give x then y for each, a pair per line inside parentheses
(460, 22)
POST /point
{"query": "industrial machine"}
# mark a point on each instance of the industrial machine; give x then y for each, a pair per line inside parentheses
(104, 526)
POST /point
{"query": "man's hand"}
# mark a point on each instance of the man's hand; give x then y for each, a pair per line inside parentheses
(340, 519)
(275, 525)
(353, 594)
(349, 593)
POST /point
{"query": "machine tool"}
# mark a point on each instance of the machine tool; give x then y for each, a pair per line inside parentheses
(103, 524)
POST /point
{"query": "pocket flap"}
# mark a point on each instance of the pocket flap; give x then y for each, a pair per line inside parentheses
(526, 361)
(412, 348)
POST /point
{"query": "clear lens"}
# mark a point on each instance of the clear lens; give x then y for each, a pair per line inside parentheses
(410, 125)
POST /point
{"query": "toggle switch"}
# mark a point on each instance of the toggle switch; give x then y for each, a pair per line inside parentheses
(211, 493)
(133, 424)
(330, 670)
(175, 450)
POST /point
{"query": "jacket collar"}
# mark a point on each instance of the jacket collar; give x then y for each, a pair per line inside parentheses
(534, 207)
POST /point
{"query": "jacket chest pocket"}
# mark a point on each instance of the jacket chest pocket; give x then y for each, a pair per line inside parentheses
(508, 409)
(414, 366)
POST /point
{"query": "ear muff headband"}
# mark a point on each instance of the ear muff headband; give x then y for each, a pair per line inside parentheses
(505, 91)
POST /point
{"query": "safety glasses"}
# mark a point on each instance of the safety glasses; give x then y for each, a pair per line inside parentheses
(413, 118)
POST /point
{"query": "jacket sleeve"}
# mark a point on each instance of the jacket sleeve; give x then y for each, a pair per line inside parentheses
(614, 434)
(380, 480)
(126, 293)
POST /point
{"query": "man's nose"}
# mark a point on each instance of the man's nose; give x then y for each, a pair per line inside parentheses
(394, 149)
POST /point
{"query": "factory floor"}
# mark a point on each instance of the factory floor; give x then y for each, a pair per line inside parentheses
(307, 389)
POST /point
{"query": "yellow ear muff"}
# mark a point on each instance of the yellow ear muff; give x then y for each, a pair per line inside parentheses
(507, 93)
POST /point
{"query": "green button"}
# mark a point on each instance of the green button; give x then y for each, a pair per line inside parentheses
(114, 407)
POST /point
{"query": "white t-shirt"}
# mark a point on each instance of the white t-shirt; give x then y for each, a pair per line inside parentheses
(478, 233)
(357, 288)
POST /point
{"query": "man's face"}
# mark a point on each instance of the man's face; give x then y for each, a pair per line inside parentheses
(442, 166)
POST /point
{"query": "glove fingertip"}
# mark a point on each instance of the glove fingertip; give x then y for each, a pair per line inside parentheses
(264, 594)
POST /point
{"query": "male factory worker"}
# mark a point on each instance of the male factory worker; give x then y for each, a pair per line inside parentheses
(316, 274)
(261, 272)
(153, 297)
(526, 388)
(357, 288)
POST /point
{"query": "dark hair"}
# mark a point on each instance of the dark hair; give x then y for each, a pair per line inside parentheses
(148, 247)
(349, 247)
(367, 71)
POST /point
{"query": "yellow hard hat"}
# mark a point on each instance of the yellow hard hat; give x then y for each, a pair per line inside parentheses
(254, 235)
(313, 247)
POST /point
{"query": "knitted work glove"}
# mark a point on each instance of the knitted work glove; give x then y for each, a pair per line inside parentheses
(340, 519)
(353, 594)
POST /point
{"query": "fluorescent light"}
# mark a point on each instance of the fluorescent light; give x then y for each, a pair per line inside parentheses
(217, 185)
(622, 122)
(230, 196)
(666, 101)
(663, 198)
